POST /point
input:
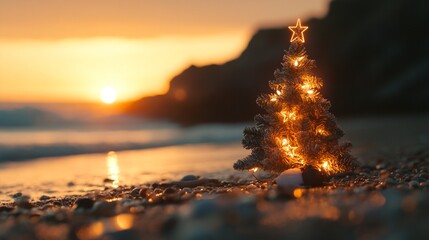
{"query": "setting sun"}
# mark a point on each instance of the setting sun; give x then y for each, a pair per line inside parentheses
(108, 95)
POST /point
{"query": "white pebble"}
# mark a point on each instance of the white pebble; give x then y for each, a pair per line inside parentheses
(290, 179)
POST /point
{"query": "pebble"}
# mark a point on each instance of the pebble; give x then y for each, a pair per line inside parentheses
(424, 175)
(157, 190)
(44, 198)
(290, 179)
(24, 202)
(413, 184)
(143, 192)
(391, 182)
(169, 191)
(189, 178)
(17, 195)
(313, 177)
(135, 192)
(5, 209)
(384, 174)
(203, 208)
(71, 184)
(186, 190)
(104, 209)
(84, 203)
(380, 166)
(108, 180)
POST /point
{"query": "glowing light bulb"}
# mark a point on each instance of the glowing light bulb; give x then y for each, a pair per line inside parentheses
(279, 92)
(325, 164)
(253, 169)
(321, 131)
(296, 61)
(273, 99)
(284, 141)
(307, 88)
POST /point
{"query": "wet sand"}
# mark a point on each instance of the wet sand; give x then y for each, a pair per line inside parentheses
(60, 176)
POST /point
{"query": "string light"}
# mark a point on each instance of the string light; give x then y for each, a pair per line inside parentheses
(288, 116)
(279, 92)
(283, 113)
(288, 148)
(273, 99)
(290, 151)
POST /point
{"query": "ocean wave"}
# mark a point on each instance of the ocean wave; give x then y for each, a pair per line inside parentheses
(39, 148)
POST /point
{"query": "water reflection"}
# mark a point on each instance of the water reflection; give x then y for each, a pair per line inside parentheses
(113, 168)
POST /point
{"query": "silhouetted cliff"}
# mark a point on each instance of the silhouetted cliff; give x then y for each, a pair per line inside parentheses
(372, 55)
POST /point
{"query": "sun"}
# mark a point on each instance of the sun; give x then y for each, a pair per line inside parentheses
(108, 95)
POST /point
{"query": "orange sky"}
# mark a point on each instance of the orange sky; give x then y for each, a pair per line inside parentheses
(56, 51)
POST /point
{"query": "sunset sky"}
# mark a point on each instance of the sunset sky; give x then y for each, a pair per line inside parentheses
(66, 51)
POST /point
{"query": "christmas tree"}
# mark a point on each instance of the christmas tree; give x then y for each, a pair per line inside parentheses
(297, 130)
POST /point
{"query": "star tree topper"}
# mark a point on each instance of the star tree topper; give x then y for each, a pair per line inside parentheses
(298, 32)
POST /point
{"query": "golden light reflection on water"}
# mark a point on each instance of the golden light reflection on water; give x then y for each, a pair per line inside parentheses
(85, 172)
(113, 168)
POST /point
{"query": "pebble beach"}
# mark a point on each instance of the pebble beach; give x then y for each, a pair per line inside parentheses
(381, 201)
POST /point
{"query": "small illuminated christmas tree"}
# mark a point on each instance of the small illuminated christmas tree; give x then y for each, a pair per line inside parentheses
(297, 130)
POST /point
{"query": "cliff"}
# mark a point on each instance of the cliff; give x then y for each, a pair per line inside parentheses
(372, 55)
